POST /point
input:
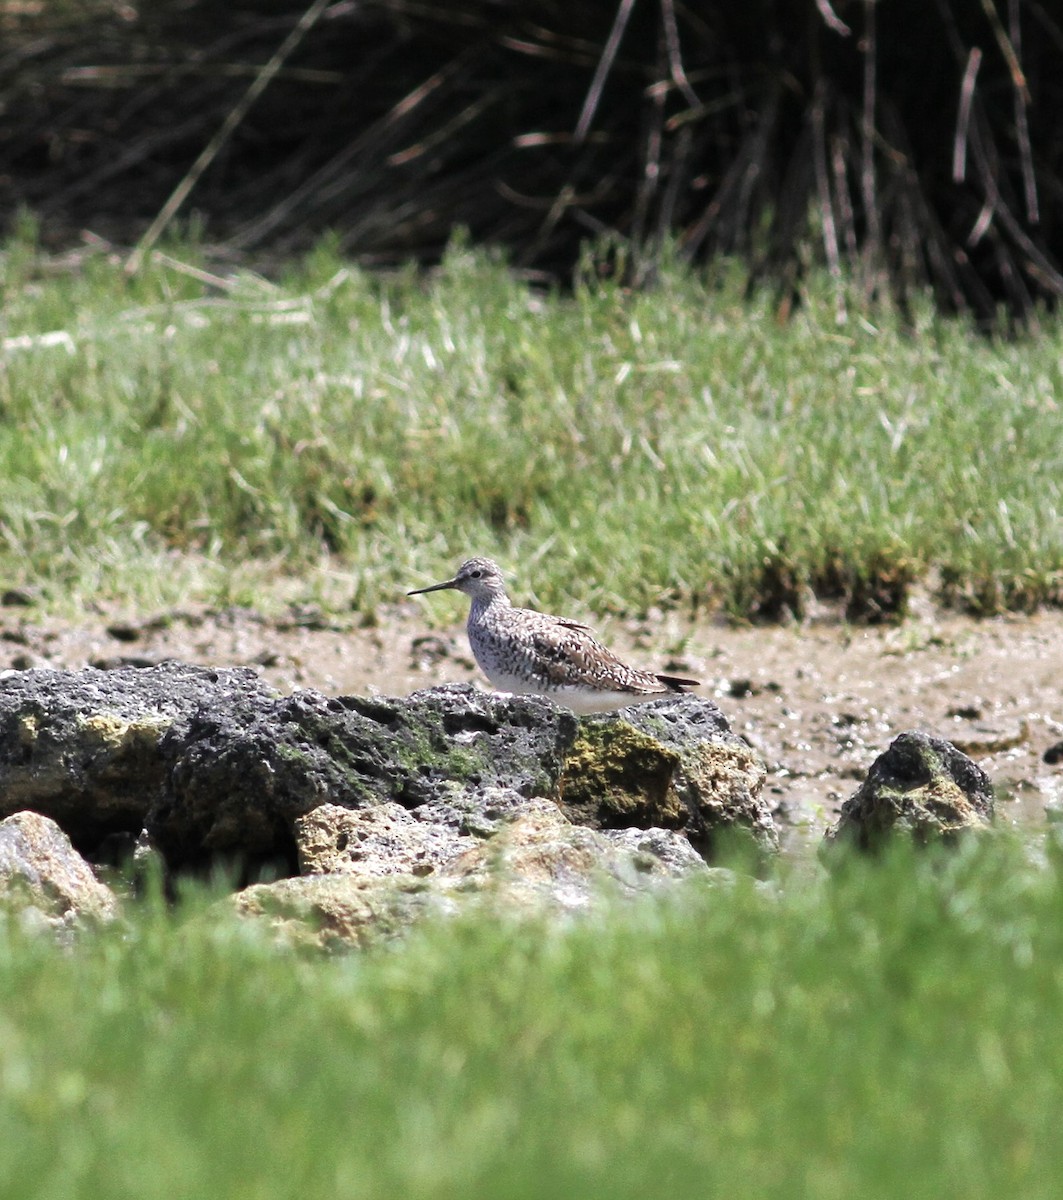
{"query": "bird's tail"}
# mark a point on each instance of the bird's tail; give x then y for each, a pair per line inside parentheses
(674, 684)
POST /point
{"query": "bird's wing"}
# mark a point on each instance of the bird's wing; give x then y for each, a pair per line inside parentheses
(566, 624)
(567, 653)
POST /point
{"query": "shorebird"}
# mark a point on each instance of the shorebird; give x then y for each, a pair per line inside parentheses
(533, 653)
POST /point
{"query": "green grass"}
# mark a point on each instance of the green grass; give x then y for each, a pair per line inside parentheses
(361, 433)
(892, 1031)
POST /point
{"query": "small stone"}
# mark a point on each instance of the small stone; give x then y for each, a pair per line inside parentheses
(921, 786)
(429, 650)
(341, 912)
(662, 851)
(965, 712)
(541, 862)
(124, 631)
(305, 616)
(18, 597)
(114, 662)
(27, 661)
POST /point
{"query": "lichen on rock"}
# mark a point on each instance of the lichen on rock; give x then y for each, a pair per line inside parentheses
(617, 776)
(674, 763)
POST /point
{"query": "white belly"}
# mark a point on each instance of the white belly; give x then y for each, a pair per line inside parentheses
(578, 700)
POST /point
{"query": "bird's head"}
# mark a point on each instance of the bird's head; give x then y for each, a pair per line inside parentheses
(478, 578)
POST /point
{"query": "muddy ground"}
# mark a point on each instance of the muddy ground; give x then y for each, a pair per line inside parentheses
(819, 700)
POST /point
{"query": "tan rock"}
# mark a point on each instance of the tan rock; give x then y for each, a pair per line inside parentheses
(373, 842)
(537, 863)
(44, 877)
(342, 911)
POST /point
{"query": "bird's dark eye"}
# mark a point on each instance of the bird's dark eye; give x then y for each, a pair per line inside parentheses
(476, 574)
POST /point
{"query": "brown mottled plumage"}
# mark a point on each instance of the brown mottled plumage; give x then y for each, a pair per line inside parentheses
(536, 654)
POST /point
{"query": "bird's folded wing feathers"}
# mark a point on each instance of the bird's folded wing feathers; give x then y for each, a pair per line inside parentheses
(567, 653)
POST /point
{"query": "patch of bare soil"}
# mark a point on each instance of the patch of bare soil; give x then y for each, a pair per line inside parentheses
(819, 700)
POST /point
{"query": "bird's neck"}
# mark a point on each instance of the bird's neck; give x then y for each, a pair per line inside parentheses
(482, 605)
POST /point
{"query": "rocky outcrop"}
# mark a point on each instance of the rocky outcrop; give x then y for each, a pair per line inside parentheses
(922, 787)
(384, 811)
(46, 880)
(450, 792)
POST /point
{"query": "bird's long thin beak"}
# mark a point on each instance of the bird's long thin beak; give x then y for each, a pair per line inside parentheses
(436, 587)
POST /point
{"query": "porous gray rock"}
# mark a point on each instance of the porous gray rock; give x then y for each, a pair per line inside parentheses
(211, 763)
(88, 748)
(44, 878)
(661, 851)
(239, 781)
(922, 787)
(479, 813)
(541, 861)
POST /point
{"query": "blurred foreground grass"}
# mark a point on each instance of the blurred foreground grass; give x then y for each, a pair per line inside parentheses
(889, 1032)
(171, 438)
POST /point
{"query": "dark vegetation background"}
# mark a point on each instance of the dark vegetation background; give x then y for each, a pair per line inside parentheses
(908, 141)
